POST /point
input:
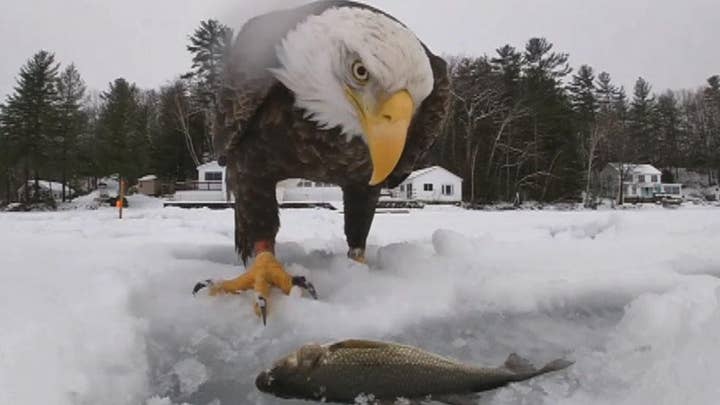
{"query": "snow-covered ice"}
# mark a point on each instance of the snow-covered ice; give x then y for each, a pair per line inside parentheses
(97, 310)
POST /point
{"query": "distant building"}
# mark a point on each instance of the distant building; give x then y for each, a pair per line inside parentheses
(209, 190)
(432, 184)
(149, 185)
(301, 190)
(640, 182)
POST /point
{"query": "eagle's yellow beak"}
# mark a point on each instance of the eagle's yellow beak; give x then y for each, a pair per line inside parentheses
(386, 130)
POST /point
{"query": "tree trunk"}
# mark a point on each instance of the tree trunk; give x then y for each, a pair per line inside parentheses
(26, 184)
(472, 172)
(36, 186)
(64, 170)
(621, 195)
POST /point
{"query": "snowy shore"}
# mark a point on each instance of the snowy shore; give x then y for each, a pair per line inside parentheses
(97, 310)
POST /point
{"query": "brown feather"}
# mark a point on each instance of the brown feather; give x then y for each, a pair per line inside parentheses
(266, 139)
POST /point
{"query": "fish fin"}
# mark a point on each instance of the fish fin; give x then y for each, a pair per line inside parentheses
(556, 365)
(357, 344)
(519, 365)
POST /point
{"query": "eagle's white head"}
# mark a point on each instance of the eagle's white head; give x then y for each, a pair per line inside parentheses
(361, 71)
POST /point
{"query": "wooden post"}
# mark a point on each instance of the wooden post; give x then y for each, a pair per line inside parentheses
(121, 198)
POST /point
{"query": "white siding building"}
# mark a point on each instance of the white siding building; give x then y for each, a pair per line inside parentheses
(209, 188)
(301, 190)
(212, 176)
(640, 182)
(432, 184)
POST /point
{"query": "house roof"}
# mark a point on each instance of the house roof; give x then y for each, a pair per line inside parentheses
(213, 165)
(422, 172)
(635, 168)
(148, 177)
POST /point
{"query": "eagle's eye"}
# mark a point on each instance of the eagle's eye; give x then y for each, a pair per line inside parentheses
(360, 72)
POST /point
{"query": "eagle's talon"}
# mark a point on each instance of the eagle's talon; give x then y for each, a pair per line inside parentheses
(264, 274)
(202, 284)
(261, 305)
(357, 255)
(300, 281)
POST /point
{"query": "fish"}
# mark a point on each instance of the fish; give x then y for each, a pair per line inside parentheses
(343, 371)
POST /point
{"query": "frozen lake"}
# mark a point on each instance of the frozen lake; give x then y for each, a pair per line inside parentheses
(96, 310)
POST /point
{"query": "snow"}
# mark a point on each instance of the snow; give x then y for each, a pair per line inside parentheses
(98, 310)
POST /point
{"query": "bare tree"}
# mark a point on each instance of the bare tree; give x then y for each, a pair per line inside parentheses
(598, 134)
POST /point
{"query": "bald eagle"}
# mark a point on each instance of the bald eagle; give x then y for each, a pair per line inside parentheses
(336, 92)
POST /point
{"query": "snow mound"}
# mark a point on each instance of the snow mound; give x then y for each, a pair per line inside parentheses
(99, 309)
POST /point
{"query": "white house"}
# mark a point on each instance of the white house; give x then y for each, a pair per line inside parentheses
(641, 182)
(211, 177)
(301, 190)
(432, 184)
(210, 188)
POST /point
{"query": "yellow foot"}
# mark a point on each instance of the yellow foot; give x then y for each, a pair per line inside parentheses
(266, 272)
(358, 255)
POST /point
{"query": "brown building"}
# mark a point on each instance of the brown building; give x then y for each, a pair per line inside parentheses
(149, 185)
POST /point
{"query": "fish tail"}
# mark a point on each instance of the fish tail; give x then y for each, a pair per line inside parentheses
(556, 365)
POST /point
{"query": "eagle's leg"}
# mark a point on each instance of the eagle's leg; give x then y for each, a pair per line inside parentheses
(256, 224)
(359, 202)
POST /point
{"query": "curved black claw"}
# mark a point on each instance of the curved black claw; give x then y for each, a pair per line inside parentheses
(199, 286)
(302, 282)
(261, 302)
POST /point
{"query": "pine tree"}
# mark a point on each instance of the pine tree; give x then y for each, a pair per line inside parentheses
(170, 156)
(668, 130)
(591, 130)
(120, 141)
(583, 94)
(621, 139)
(509, 64)
(210, 45)
(712, 97)
(642, 118)
(606, 92)
(556, 162)
(71, 90)
(6, 158)
(30, 115)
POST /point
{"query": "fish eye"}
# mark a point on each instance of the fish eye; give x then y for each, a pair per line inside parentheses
(360, 72)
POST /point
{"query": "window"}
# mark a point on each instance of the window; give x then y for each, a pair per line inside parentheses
(428, 187)
(213, 176)
(402, 187)
(447, 189)
(674, 190)
(305, 183)
(641, 178)
(634, 189)
(654, 178)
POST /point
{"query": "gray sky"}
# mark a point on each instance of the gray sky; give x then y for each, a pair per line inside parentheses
(671, 43)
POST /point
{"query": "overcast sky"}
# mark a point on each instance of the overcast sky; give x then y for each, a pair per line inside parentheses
(673, 44)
